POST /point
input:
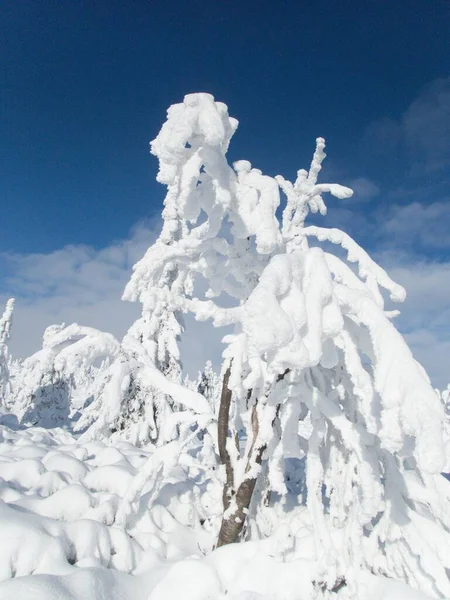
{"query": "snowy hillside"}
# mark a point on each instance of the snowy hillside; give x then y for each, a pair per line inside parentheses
(310, 467)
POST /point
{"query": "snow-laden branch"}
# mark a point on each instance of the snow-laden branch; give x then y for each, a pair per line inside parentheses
(367, 268)
(410, 405)
(185, 397)
(306, 194)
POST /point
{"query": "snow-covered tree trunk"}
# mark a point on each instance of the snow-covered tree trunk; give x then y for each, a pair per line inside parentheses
(237, 495)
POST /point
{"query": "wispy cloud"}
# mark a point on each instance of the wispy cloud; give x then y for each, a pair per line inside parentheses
(73, 284)
(426, 126)
(418, 223)
(364, 189)
(421, 134)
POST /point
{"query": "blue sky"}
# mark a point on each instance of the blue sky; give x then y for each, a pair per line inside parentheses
(85, 86)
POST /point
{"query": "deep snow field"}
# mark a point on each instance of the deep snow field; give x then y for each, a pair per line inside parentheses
(69, 531)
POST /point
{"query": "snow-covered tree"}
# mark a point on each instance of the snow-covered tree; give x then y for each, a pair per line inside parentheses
(130, 406)
(312, 340)
(152, 341)
(48, 380)
(5, 334)
(209, 386)
(444, 396)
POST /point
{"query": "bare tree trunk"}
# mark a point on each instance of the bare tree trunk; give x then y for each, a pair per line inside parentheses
(233, 523)
(222, 434)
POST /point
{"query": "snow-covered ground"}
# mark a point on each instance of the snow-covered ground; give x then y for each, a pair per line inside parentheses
(60, 538)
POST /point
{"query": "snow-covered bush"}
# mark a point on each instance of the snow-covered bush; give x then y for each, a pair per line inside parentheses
(313, 341)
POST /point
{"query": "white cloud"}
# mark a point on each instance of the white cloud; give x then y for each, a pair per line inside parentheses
(364, 189)
(415, 222)
(426, 126)
(422, 131)
(73, 284)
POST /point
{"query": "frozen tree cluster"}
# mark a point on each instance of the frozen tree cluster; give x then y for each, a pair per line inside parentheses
(318, 444)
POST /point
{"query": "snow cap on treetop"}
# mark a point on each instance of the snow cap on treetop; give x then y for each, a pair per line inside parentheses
(5, 321)
(196, 122)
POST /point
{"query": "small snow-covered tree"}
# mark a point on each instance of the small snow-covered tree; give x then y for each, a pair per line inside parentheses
(312, 339)
(44, 385)
(130, 403)
(5, 334)
(152, 341)
(444, 396)
(208, 385)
